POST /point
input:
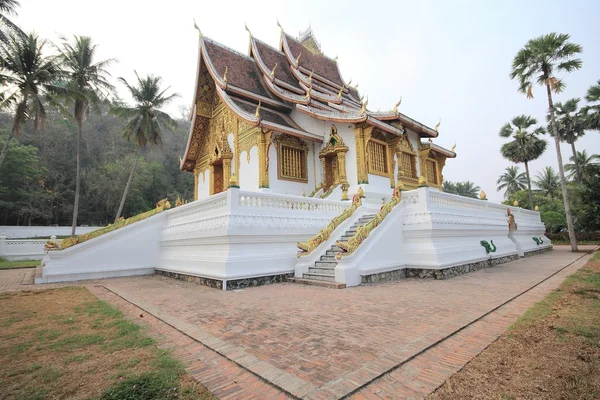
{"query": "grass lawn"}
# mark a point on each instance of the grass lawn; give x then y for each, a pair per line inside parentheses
(551, 352)
(18, 264)
(65, 343)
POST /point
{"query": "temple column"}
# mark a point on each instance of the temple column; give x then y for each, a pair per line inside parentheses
(362, 136)
(211, 183)
(226, 169)
(264, 143)
(196, 177)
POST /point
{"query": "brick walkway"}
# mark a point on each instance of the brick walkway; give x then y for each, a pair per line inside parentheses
(366, 342)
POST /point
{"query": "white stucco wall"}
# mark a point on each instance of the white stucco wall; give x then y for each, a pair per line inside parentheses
(283, 186)
(204, 184)
(248, 178)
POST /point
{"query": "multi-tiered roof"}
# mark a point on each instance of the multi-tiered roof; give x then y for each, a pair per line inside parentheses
(263, 88)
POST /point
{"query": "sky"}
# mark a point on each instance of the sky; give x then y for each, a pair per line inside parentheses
(448, 60)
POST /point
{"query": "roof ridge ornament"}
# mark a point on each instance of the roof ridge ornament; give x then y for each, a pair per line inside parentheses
(395, 110)
(298, 59)
(279, 25)
(335, 59)
(437, 126)
(225, 74)
(200, 35)
(273, 70)
(248, 30)
(453, 148)
(339, 95)
(348, 84)
(364, 106)
(310, 77)
(257, 113)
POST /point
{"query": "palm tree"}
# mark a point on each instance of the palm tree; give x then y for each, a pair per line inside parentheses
(540, 59)
(85, 84)
(584, 163)
(511, 181)
(571, 126)
(7, 27)
(526, 146)
(592, 112)
(467, 189)
(548, 182)
(26, 75)
(449, 187)
(145, 121)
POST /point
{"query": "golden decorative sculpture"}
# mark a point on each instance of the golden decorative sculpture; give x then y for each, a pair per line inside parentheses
(310, 77)
(516, 203)
(339, 95)
(512, 225)
(349, 82)
(273, 70)
(298, 58)
(51, 245)
(453, 147)
(233, 181)
(482, 195)
(314, 242)
(395, 110)
(257, 113)
(335, 59)
(279, 25)
(422, 181)
(537, 208)
(364, 106)
(248, 30)
(363, 232)
(225, 74)
(437, 126)
(198, 29)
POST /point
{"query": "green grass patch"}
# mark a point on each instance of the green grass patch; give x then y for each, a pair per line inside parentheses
(32, 393)
(77, 358)
(47, 334)
(99, 308)
(27, 370)
(538, 311)
(147, 386)
(4, 264)
(77, 341)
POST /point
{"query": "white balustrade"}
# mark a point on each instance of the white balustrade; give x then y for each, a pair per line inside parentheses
(23, 249)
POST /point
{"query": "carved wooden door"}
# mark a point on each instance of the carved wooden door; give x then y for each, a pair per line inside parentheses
(218, 179)
(329, 173)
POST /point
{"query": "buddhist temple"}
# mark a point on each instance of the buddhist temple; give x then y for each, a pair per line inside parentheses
(296, 180)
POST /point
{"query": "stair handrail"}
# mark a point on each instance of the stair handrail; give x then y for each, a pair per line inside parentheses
(329, 191)
(317, 188)
(362, 232)
(325, 233)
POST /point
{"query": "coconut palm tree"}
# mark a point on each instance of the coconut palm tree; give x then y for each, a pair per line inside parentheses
(467, 189)
(584, 163)
(146, 121)
(85, 83)
(539, 60)
(548, 182)
(592, 111)
(511, 181)
(26, 75)
(571, 126)
(525, 146)
(7, 27)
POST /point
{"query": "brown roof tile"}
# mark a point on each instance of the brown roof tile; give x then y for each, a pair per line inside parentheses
(266, 113)
(270, 56)
(322, 65)
(242, 71)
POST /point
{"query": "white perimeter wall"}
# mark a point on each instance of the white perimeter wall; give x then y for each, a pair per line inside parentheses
(22, 232)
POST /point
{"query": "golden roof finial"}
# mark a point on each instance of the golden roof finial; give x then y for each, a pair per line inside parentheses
(335, 59)
(395, 110)
(200, 35)
(307, 94)
(273, 70)
(310, 76)
(180, 160)
(356, 86)
(279, 25)
(482, 195)
(233, 181)
(246, 26)
(257, 113)
(364, 106)
(339, 96)
(225, 74)
(349, 82)
(298, 58)
(437, 126)
(453, 147)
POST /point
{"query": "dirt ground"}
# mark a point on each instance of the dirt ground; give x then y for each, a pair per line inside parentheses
(66, 344)
(551, 352)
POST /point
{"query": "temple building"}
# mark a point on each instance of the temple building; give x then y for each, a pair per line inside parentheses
(295, 179)
(283, 120)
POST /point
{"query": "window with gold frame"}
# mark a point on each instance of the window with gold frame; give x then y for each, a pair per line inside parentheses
(431, 170)
(378, 157)
(292, 155)
(407, 165)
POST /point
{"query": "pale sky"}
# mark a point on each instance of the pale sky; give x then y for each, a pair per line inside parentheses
(447, 59)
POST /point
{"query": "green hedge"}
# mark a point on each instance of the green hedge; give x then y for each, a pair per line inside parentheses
(581, 236)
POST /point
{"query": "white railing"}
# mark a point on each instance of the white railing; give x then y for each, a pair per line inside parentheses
(452, 200)
(290, 203)
(23, 249)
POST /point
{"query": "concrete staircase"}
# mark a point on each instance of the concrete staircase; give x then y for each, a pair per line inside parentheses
(323, 272)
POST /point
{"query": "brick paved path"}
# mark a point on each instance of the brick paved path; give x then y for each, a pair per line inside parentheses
(367, 342)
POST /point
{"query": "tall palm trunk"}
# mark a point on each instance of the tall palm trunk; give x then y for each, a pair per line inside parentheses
(5, 148)
(529, 186)
(561, 171)
(576, 161)
(77, 180)
(137, 156)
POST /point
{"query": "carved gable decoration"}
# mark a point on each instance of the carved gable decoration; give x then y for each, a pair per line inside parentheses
(405, 146)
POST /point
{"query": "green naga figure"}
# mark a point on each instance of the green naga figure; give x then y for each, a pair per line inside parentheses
(488, 249)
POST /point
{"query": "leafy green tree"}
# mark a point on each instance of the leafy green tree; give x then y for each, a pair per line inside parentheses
(592, 110)
(571, 126)
(511, 181)
(85, 84)
(590, 200)
(8, 28)
(466, 189)
(583, 163)
(525, 145)
(548, 182)
(26, 74)
(145, 121)
(539, 60)
(554, 221)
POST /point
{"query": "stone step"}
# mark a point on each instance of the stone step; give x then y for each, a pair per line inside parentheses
(328, 257)
(331, 253)
(335, 249)
(345, 238)
(330, 285)
(331, 264)
(319, 277)
(322, 270)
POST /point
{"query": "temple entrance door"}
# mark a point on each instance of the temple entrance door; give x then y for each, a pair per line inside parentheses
(329, 173)
(217, 178)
